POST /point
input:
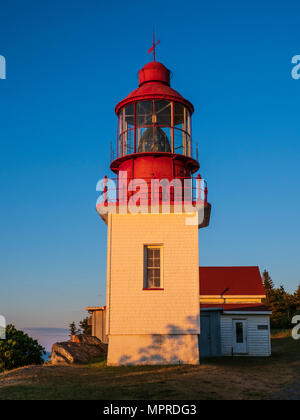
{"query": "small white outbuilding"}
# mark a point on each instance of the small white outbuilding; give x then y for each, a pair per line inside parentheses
(234, 321)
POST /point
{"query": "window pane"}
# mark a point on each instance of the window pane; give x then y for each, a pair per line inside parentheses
(153, 278)
(188, 122)
(150, 258)
(161, 141)
(157, 282)
(167, 138)
(163, 113)
(150, 282)
(178, 141)
(178, 115)
(129, 116)
(130, 142)
(145, 139)
(144, 113)
(150, 252)
(156, 253)
(239, 332)
(181, 130)
(156, 262)
(188, 146)
(126, 130)
(121, 121)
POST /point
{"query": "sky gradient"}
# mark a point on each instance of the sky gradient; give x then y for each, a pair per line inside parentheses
(68, 64)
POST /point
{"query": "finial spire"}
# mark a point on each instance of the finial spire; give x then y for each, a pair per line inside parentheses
(152, 49)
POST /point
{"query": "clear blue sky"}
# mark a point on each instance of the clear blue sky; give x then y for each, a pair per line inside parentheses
(68, 64)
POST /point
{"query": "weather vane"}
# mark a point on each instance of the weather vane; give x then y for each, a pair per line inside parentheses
(153, 46)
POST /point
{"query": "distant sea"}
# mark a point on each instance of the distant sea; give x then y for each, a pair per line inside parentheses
(48, 336)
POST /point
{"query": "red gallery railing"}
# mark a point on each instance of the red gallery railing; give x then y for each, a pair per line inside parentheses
(151, 190)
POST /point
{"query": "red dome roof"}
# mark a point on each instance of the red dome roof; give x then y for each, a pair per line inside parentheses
(154, 83)
(154, 72)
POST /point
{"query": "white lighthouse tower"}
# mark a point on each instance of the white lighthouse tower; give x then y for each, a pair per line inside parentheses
(153, 309)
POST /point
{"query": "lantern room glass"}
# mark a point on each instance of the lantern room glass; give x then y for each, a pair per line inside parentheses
(154, 126)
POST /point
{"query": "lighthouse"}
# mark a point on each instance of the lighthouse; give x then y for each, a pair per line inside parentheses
(153, 210)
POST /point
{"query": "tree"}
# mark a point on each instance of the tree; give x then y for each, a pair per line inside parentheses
(283, 308)
(18, 349)
(297, 300)
(271, 299)
(297, 294)
(268, 282)
(85, 327)
(282, 304)
(73, 329)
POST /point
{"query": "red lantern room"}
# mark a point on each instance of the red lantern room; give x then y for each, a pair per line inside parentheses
(154, 142)
(154, 129)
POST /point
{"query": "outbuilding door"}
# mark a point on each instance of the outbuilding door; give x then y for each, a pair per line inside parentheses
(239, 337)
(210, 334)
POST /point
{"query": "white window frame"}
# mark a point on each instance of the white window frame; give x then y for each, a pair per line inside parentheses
(145, 266)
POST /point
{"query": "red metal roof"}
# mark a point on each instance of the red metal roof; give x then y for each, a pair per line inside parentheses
(154, 83)
(245, 307)
(154, 72)
(236, 281)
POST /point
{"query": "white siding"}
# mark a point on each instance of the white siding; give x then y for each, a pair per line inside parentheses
(152, 326)
(132, 310)
(226, 335)
(258, 341)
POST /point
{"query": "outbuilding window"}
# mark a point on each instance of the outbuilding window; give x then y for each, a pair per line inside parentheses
(152, 267)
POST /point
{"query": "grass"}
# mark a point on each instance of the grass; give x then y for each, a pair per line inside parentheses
(222, 378)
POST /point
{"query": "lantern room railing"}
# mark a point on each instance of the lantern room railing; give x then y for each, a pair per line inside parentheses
(154, 126)
(191, 189)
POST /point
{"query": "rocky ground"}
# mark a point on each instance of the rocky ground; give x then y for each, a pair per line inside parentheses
(82, 349)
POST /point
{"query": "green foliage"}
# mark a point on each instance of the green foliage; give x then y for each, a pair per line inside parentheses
(85, 327)
(18, 349)
(268, 282)
(297, 300)
(282, 304)
(73, 329)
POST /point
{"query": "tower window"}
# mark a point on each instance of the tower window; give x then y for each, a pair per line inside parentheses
(152, 267)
